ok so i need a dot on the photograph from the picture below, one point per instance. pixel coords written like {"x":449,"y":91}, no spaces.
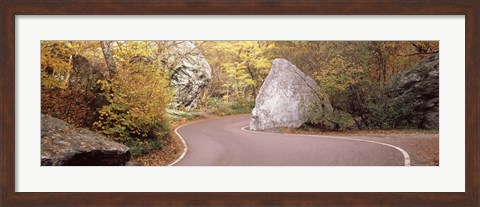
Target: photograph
{"x":239,"y":103}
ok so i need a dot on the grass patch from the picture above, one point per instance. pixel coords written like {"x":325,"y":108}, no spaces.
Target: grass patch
{"x":230,"y":108}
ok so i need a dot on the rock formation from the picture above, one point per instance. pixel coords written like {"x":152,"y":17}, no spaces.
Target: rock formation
{"x":286,"y":98}
{"x":416,"y":90}
{"x":62,"y":144}
{"x":190,"y":72}
{"x":84,"y":75}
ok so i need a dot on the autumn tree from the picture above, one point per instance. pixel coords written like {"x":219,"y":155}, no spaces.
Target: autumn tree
{"x":67,"y":62}
{"x":112,"y":79}
{"x":354,"y":74}
{"x":242,"y":65}
{"x":110,"y":62}
{"x":138,"y":94}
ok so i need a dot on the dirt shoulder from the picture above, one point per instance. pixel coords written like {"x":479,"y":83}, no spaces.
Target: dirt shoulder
{"x":171,"y":149}
{"x":422,"y":148}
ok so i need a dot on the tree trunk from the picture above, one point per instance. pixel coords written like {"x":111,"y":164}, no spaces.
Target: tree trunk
{"x":112,"y":68}
{"x":254,"y":78}
{"x":70,"y":63}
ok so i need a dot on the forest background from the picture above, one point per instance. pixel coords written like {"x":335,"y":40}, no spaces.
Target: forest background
{"x":126,"y":93}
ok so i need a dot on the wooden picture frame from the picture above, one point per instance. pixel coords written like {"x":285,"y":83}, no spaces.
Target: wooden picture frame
{"x":10,"y":8}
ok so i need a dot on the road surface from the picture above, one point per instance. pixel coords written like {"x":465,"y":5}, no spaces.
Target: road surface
{"x":223,"y":142}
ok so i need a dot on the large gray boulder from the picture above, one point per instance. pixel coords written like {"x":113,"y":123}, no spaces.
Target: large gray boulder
{"x":62,"y":144}
{"x":190,"y":72}
{"x":414,"y":94}
{"x":287,"y":98}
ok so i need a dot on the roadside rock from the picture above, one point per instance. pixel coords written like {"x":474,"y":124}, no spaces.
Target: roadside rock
{"x":190,"y":73}
{"x":84,"y":75}
{"x":62,"y":144}
{"x":286,"y":98}
{"x":416,"y":90}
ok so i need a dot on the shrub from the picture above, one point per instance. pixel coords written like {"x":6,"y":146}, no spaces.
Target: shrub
{"x":383,"y":112}
{"x":328,"y":120}
{"x":137,"y":95}
{"x":222,"y":107}
{"x":79,"y":108}
{"x":138,"y":148}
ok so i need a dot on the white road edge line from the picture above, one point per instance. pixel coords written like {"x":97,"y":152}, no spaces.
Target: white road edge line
{"x":185,"y":146}
{"x":405,"y":154}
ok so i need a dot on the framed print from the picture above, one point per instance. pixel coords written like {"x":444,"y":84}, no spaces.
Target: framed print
{"x":352,"y":103}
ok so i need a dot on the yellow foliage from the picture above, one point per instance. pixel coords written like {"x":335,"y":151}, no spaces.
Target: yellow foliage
{"x":56,"y":60}
{"x":243,"y":65}
{"x":138,"y":95}
{"x":55,"y":63}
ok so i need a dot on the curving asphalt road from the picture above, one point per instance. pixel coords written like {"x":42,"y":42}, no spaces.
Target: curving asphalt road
{"x":223,"y":142}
